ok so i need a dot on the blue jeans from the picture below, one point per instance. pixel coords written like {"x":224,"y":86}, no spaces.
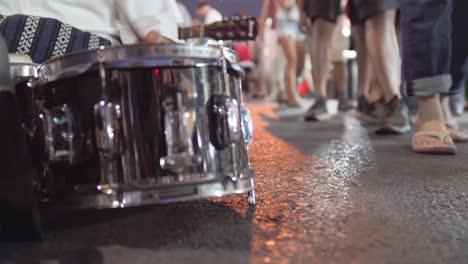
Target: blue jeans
{"x":426,"y":28}
{"x":459,"y":46}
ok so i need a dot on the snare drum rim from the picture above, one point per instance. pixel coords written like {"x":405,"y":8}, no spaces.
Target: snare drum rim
{"x":129,"y":57}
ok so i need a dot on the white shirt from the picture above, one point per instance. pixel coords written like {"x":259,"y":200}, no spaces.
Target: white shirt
{"x":291,"y":14}
{"x":111,"y":19}
{"x":187,"y":18}
{"x":213,"y":16}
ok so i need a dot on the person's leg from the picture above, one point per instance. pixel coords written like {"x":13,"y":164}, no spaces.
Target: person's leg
{"x":301,"y":54}
{"x":371,"y":106}
{"x":426,"y":68}
{"x":363,"y":61}
{"x":322,"y":30}
{"x":288,"y":45}
{"x":340,"y":76}
{"x":381,"y":41}
{"x":383,"y":51}
{"x":307,"y":72}
{"x":323,"y":15}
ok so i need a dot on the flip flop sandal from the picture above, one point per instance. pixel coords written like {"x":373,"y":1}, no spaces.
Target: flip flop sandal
{"x":439,"y":148}
{"x":458,"y":135}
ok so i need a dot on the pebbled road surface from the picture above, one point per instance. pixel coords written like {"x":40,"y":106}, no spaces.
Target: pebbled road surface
{"x":327,"y":193}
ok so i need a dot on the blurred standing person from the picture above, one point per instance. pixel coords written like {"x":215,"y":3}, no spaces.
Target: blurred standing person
{"x":286,"y":16}
{"x":375,"y":22}
{"x":268,"y":53}
{"x":426,"y":68}
{"x":340,"y":43}
{"x":246,"y":51}
{"x":323,"y":16}
{"x":208,"y":12}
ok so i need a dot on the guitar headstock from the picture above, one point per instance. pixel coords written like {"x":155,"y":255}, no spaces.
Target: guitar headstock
{"x":234,"y":28}
{"x":230,"y":28}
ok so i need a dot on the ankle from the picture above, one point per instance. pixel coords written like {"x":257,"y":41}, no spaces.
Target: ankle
{"x":393,"y":103}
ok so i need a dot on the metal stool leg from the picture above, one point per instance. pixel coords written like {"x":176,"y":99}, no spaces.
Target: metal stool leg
{"x":252,"y":200}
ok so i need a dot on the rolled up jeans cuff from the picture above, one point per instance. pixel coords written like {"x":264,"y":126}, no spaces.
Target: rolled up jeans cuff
{"x":429,"y":86}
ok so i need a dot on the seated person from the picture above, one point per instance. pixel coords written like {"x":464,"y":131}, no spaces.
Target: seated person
{"x":49,"y":29}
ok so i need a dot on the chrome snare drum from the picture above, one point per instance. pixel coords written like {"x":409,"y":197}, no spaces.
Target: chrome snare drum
{"x":143,"y":124}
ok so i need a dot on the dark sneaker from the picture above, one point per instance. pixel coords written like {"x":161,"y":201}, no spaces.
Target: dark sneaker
{"x":318,"y":111}
{"x":397,"y":122}
{"x":373,"y":113}
{"x":363,"y":104}
{"x":379,"y":110}
{"x":345,"y":105}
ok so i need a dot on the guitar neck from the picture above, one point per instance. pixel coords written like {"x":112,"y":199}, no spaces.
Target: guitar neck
{"x":191,"y":32}
{"x":224,"y":30}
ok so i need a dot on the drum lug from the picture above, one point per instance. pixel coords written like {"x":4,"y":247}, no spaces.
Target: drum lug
{"x":252,"y":199}
{"x":224,"y":119}
{"x":178,"y":131}
{"x":60,"y":134}
{"x":108,"y":118}
{"x":178,"y":162}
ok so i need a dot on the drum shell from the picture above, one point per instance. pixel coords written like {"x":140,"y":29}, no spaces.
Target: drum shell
{"x":119,"y":102}
{"x":140,"y":94}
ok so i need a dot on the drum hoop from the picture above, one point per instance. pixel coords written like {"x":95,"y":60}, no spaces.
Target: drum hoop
{"x":237,"y":68}
{"x":129,"y":56}
{"x":24,"y":70}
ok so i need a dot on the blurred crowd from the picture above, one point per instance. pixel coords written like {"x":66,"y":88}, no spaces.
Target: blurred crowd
{"x":396,"y":64}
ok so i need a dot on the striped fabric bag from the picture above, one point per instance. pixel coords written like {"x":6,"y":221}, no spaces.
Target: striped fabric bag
{"x":45,"y":38}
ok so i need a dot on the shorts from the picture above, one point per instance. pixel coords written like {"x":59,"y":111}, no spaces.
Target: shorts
{"x":287,"y":28}
{"x":360,"y":10}
{"x":327,"y":9}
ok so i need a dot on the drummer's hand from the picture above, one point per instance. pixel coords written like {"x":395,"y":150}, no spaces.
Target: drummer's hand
{"x":154,"y":37}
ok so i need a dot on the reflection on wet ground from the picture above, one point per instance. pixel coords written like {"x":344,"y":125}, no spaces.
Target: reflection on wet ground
{"x":327,"y":193}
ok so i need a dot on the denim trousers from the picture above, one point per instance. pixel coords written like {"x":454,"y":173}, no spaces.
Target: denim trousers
{"x":426,"y":28}
{"x":459,"y":64}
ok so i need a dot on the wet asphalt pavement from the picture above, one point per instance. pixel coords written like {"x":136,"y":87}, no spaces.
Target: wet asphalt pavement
{"x":327,"y":193}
